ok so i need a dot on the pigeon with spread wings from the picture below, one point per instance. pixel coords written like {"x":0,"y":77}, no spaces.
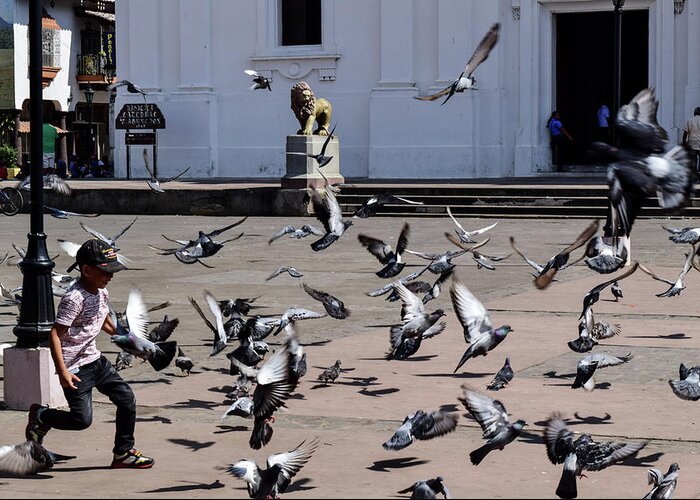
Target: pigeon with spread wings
{"x":676,"y":287}
{"x":154,"y":183}
{"x":369,"y":207}
{"x":466,"y":80}
{"x":259,"y":81}
{"x":321,"y":157}
{"x":421,"y":425}
{"x":220,"y":337}
{"x":385,"y":254}
{"x":328,"y":211}
{"x":468,"y":236}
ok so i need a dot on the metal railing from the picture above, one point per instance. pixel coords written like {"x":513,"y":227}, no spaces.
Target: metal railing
{"x":92,"y":64}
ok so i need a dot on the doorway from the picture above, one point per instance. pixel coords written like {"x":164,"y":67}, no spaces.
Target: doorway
{"x":584,"y":71}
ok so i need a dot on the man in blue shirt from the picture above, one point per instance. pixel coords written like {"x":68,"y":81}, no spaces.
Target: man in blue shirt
{"x":557,"y":132}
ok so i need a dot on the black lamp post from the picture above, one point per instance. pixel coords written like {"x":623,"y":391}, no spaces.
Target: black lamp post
{"x":89,"y":96}
{"x":617,"y":63}
{"x":37,"y":313}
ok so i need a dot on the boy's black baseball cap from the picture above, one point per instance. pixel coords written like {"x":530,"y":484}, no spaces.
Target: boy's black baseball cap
{"x":97,"y":253}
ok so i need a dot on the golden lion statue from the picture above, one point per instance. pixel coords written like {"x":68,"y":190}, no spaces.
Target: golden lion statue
{"x":308,"y":109}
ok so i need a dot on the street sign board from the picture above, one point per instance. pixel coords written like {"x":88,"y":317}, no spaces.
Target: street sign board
{"x":140,"y":116}
{"x":136,"y":138}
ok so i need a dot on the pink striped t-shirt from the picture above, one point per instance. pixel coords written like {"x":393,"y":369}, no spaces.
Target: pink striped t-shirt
{"x":84,"y":314}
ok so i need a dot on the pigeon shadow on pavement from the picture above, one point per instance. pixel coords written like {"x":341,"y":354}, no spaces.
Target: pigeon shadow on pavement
{"x":531,"y":438}
{"x":300,"y":485}
{"x":396,"y":463}
{"x":156,"y":381}
{"x":362,"y":381}
{"x":230,"y":428}
{"x":195,"y":403}
{"x":192,"y":445}
{"x":151,"y":419}
{"x":32,"y":476}
{"x":670,"y":336}
{"x":426,"y":357}
{"x":85,"y":468}
{"x":220,"y":370}
{"x":188,"y":487}
{"x":554,"y":374}
{"x":603,"y":386}
{"x":455,"y":375}
{"x":646,"y":461}
{"x":378,"y":392}
{"x":449,"y":408}
{"x":224,"y":389}
{"x":578,"y":420}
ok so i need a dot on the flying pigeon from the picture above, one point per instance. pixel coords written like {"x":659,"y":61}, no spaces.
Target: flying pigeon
{"x":465,"y":80}
{"x":594,"y":294}
{"x":588,"y":365}
{"x":328,"y":211}
{"x":590,"y":331}
{"x":163,"y":330}
{"x":296,"y":314}
{"x":259,"y":81}
{"x":403,"y":347}
{"x":493,"y":419}
{"x":51,"y":182}
{"x":415,"y":321}
{"x":434,"y":291}
{"x":439,"y":263}
{"x":285,"y":269}
{"x":686,"y":235}
{"x":555,"y":263}
{"x":392,"y":286}
{"x":123,"y":361}
{"x":688,"y":387}
{"x":130,"y":87}
{"x":220,"y":337}
{"x":476,"y":323}
{"x":333,"y":306}
{"x":135,"y":340}
{"x":321,"y":157}
{"x":369,"y":207}
{"x":183,"y":362}
{"x":241,"y":407}
{"x":57,"y":213}
{"x":154,"y":183}
{"x":294,"y":232}
{"x":426,"y":489}
{"x":606,"y":257}
{"x":468,"y":236}
{"x":246,"y":353}
{"x":581,"y":454}
{"x":502,"y":378}
{"x":385,"y":254}
{"x":330,"y":374}
{"x":421,"y":425}
{"x":281,"y":468}
{"x":111,"y":241}
{"x":275,"y":382}
{"x":664,"y":484}
{"x":676,"y":287}
{"x":537,"y":267}
{"x":260,"y":327}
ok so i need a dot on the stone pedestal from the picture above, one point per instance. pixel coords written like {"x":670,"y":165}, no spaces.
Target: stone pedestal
{"x":303,"y":171}
{"x":30,"y":377}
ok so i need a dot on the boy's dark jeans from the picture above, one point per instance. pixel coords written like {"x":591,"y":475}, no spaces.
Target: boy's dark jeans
{"x":99,"y":374}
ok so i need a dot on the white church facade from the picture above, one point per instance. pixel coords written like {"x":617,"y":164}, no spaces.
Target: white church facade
{"x":370,"y":58}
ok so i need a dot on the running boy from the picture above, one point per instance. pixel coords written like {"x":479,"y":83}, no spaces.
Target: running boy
{"x":82,"y":313}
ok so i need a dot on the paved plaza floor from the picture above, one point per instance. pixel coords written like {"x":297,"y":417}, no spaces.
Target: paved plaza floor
{"x":179,"y":418}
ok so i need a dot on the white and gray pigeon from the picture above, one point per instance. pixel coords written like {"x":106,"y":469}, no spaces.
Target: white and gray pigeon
{"x":493,"y":420}
{"x":664,"y":484}
{"x":468,"y":236}
{"x":422,"y":426}
{"x":135,"y":340}
{"x":51,"y":182}
{"x":688,"y":387}
{"x":590,"y":331}
{"x":606,"y":255}
{"x":586,"y":367}
{"x":537,"y":267}
{"x":259,"y":81}
{"x":153,"y":182}
{"x":428,"y":489}
{"x":434,"y":291}
{"x":689,"y":235}
{"x":386,"y":255}
{"x":403,"y":280}
{"x":110,"y":240}
{"x":616,"y":291}
{"x":439,"y":262}
{"x":593,"y":294}
{"x":281,"y":468}
{"x":502,"y":378}
{"x":123,"y":361}
{"x":241,"y":407}
{"x":333,"y":305}
{"x":370,"y":206}
{"x":327,"y":210}
{"x":25,"y":459}
{"x":57,"y":213}
{"x":321,"y":159}
{"x":465,"y":80}
{"x":296,"y":314}
{"x":581,"y":454}
{"x":415,"y":321}
{"x":676,"y":287}
{"x":220,"y":337}
{"x":479,"y":332}
{"x":403,"y":347}
{"x":285,"y":269}
{"x":294,"y":232}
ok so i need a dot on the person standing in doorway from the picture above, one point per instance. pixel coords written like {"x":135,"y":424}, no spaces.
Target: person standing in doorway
{"x":557,"y":132}
{"x":691,"y":138}
{"x":603,"y":122}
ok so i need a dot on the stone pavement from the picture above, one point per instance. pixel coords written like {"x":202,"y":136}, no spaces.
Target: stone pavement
{"x":179,"y":417}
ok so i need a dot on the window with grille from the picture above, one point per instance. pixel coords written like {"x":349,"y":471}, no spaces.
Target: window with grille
{"x":301,"y":22}
{"x":51,"y":48}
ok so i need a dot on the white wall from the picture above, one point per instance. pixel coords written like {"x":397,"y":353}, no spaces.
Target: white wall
{"x":190,"y":55}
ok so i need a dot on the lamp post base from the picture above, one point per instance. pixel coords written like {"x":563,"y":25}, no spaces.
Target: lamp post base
{"x":30,"y":377}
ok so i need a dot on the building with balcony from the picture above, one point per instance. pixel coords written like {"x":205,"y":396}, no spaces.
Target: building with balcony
{"x":79,"y":62}
{"x":370,"y":58}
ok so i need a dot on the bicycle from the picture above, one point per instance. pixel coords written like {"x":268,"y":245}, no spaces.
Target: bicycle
{"x":10,"y":200}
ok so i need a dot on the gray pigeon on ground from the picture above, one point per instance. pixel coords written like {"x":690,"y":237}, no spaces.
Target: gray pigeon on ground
{"x":476,"y":323}
{"x":330,"y":374}
{"x":421,"y":425}
{"x":664,"y":484}
{"x":616,"y":291}
{"x":493,"y":419}
{"x":688,"y":387}
{"x":502,"y":378}
{"x":428,"y":489}
{"x":183,"y":362}
{"x":581,"y":454}
{"x":24,"y":459}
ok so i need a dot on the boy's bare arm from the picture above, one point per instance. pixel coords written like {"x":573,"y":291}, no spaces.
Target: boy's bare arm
{"x":64,"y":376}
{"x":108,"y":326}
